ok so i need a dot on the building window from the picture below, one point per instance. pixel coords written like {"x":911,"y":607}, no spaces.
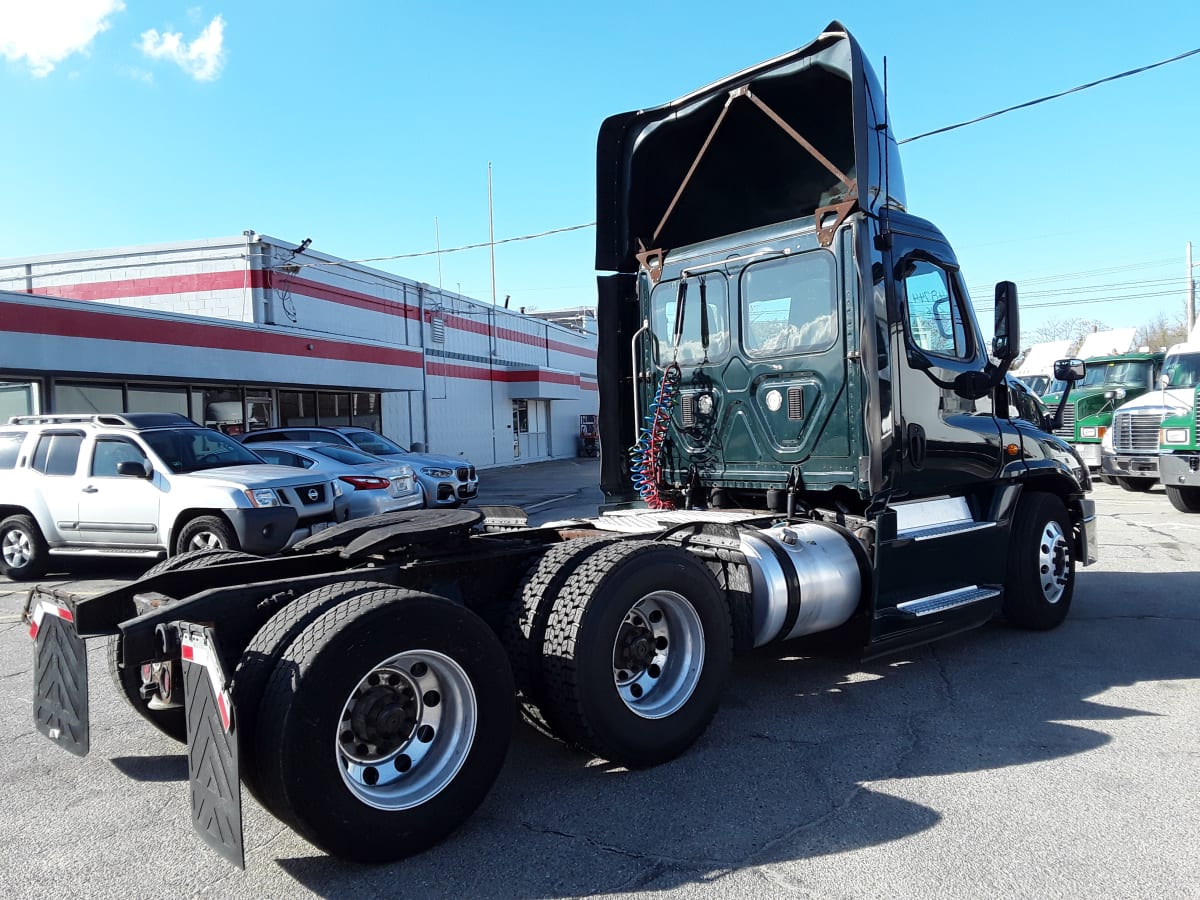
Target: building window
{"x":153,"y":398}
{"x":88,"y":398}
{"x":333,"y":409}
{"x":297,"y":408}
{"x":18,"y":398}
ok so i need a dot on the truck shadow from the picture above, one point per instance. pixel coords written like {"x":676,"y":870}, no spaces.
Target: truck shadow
{"x":805,"y":756}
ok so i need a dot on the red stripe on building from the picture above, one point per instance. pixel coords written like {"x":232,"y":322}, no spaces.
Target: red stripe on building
{"x":261,"y":278}
{"x":97,"y":325}
{"x":503,"y":376}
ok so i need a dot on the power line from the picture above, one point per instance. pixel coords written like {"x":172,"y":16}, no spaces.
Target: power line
{"x":477,"y":246}
{"x":1028,"y":103}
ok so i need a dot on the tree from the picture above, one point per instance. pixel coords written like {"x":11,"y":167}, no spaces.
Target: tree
{"x":1162,"y":331}
{"x":1062,"y":330}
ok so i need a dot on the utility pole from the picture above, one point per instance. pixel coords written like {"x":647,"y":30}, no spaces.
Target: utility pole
{"x":491,"y":229}
{"x":437,"y":236}
{"x":1191,"y":294}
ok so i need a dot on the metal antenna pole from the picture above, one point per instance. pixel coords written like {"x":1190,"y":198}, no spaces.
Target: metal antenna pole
{"x":491,"y":233}
{"x":437,"y":236}
{"x":1191,"y":294}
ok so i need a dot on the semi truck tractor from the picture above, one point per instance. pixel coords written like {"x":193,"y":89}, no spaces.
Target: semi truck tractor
{"x":1178,"y":440}
{"x":1133,"y":450}
{"x":1110,"y":381}
{"x":805,"y":433}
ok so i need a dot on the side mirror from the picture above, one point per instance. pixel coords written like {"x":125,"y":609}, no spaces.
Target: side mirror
{"x":1006,"y":342}
{"x":133,"y":469}
{"x":1069,"y":370}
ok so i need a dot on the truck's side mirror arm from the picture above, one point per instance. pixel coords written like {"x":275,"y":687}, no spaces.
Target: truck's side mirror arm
{"x":1069,"y":371}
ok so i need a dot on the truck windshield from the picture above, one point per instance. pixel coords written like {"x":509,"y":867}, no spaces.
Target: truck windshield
{"x":691,"y":350}
{"x":1183,"y":370}
{"x":193,"y":449}
{"x":1138,"y":372}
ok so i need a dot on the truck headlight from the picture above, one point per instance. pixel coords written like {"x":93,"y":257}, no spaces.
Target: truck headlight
{"x":262,"y":497}
{"x":1088,"y":431}
{"x":1174,"y":436}
{"x":437,"y":473}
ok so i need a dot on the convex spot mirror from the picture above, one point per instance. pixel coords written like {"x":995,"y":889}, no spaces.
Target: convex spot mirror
{"x":1164,"y":379}
{"x":1069,"y":369}
{"x":1006,"y":340}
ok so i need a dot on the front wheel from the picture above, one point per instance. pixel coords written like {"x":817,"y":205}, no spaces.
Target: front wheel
{"x":1184,"y":499}
{"x":384,"y":724}
{"x":1041,"y":564}
{"x":207,"y":533}
{"x":638,"y":648}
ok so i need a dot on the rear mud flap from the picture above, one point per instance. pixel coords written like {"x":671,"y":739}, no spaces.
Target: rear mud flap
{"x":60,"y":676}
{"x":212,"y":745}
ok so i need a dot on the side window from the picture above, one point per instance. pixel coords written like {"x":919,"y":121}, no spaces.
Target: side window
{"x":936,"y":320}
{"x":283,"y":458}
{"x":789,"y":305}
{"x":57,"y":454}
{"x":110,"y":452}
{"x":691,"y":350}
{"x":10,"y":449}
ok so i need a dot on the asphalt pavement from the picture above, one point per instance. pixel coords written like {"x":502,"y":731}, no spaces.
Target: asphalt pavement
{"x":998,"y":763}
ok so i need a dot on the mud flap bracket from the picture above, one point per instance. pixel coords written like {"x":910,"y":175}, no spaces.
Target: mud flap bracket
{"x":213,"y":778}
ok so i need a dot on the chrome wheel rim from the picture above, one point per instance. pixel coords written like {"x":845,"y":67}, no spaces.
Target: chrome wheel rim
{"x":1054,"y":562}
{"x":406,"y":730}
{"x":205,"y":540}
{"x":658,"y":655}
{"x":18,"y":549}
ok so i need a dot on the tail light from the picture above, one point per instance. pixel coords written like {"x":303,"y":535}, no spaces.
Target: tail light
{"x":366,"y":482}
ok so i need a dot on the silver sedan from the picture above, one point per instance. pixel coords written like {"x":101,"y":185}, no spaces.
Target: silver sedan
{"x":372,"y":485}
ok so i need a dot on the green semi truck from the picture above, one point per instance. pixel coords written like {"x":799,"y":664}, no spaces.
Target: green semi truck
{"x":1179,"y":443}
{"x":1109,"y":382}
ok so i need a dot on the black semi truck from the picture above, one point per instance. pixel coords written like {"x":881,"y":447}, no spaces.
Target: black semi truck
{"x":804,"y":433}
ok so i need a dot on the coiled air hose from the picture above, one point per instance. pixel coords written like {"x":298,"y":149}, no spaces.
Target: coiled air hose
{"x":646,"y":455}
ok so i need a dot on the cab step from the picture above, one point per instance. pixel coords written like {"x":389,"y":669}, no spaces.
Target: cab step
{"x":936,"y":603}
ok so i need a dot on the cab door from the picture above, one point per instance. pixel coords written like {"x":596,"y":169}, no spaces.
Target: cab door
{"x":948,"y":439}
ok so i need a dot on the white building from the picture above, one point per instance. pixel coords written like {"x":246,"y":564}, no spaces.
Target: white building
{"x":252,"y":331}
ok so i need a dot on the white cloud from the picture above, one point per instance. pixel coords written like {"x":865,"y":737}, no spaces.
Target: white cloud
{"x":44,"y":34}
{"x":202,"y":58}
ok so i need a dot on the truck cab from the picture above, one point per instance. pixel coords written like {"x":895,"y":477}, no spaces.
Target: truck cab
{"x":1110,"y":381}
{"x":1179,"y":443}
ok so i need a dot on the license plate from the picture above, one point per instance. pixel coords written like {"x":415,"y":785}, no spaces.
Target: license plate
{"x":319,"y":526}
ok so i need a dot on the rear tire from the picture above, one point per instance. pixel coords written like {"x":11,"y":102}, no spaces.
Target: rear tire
{"x":638,"y":649}
{"x":1041,"y":564}
{"x":524,"y":628}
{"x":1184,"y":499}
{"x":1108,"y":479}
{"x":172,"y":721}
{"x":260,"y":657}
{"x":384,"y":724}
{"x":1135,"y":485}
{"x":24,"y":554}
{"x":207,"y":533}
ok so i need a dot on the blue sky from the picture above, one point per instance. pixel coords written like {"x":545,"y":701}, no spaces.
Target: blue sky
{"x":356,"y":124}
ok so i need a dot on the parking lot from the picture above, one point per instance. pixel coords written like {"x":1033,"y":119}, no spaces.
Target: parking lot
{"x":995,"y":763}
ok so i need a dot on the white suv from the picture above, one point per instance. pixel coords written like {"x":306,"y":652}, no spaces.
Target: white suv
{"x":141,"y":484}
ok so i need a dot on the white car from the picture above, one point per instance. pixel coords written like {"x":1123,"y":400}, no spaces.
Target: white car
{"x":145,"y":484}
{"x":373,"y":485}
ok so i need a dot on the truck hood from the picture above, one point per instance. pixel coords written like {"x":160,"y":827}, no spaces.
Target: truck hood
{"x":778,"y":141}
{"x":256,"y":476}
{"x":1175,"y":398}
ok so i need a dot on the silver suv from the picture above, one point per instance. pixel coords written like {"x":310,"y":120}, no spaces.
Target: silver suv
{"x":144,"y":484}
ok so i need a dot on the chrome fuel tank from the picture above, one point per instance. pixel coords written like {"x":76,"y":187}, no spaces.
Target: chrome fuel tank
{"x":804,"y":579}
